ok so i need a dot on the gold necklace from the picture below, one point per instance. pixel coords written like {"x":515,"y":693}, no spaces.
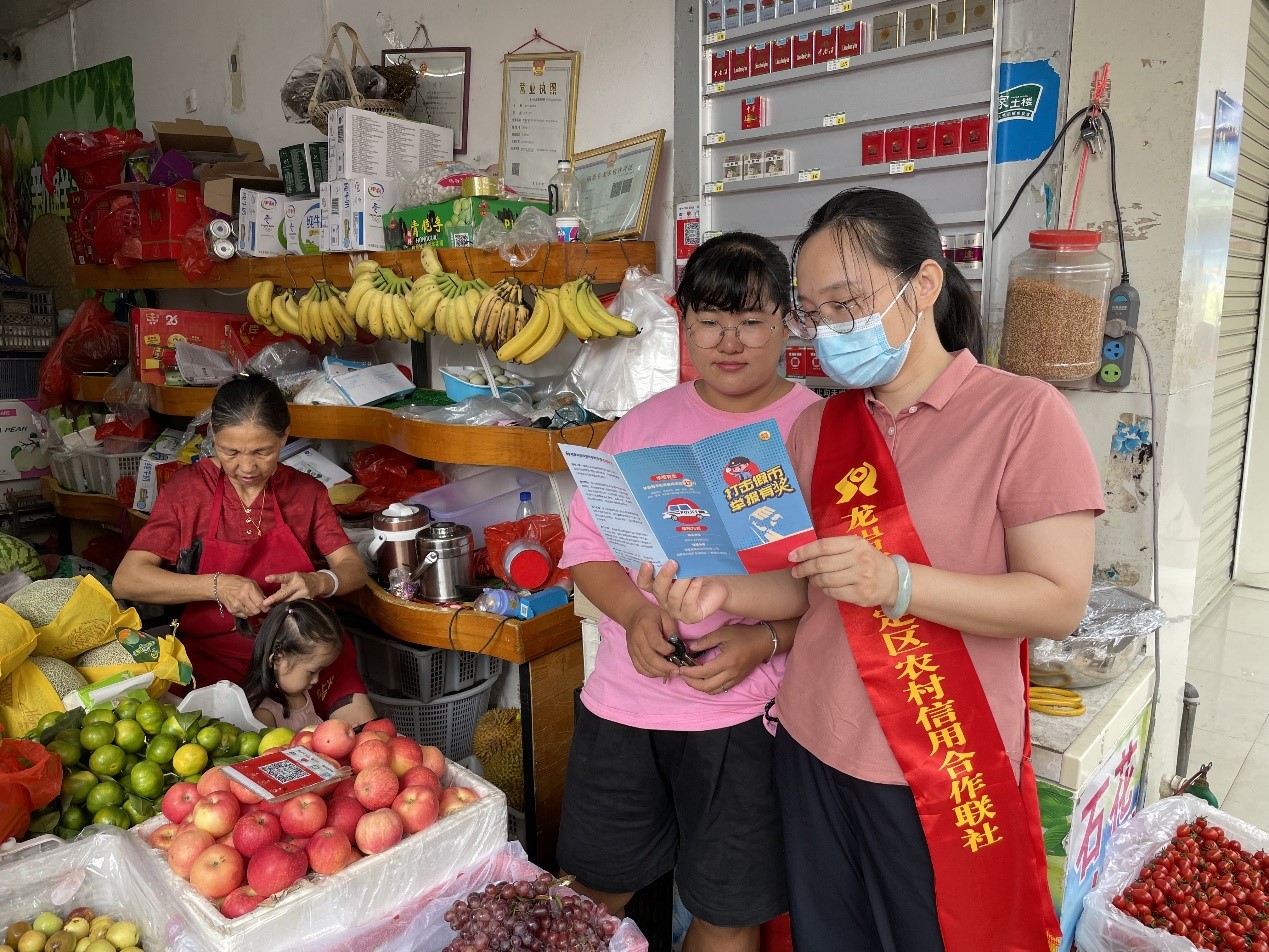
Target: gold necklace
{"x":258,"y":523}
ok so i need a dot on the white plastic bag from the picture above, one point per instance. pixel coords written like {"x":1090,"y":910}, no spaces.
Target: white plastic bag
{"x":203,"y":366}
{"x":613,"y":376}
{"x":1102,"y":927}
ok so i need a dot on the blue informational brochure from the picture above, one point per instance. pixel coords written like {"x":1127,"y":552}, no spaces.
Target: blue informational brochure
{"x":726,"y":505}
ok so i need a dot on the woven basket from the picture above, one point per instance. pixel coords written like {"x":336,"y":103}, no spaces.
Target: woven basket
{"x":403,"y":81}
{"x":319,"y":113}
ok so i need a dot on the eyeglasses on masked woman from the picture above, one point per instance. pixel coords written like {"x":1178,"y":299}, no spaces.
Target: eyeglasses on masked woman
{"x":841,"y":317}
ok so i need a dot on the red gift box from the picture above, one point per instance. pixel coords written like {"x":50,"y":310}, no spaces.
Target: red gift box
{"x":874,"y":148}
{"x":803,"y":49}
{"x":760,"y":59}
{"x":826,"y":45}
{"x":167,"y":213}
{"x":720,"y":67}
{"x":975,"y":132}
{"x":155,"y":332}
{"x":850,"y":39}
{"x":898,"y":144}
{"x":740,"y":63}
{"x":77,"y":200}
{"x":781,"y":54}
{"x":947,"y":137}
{"x":922,"y":141}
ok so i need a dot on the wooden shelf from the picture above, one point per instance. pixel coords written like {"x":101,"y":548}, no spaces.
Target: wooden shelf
{"x":88,"y":507}
{"x":607,"y":261}
{"x":442,"y":443}
{"x":434,"y":626}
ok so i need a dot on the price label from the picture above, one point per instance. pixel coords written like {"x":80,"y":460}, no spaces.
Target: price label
{"x":839,"y":64}
{"x":836,"y":119}
{"x":711,"y":187}
{"x":809,"y":175}
{"x":837,"y":8}
{"x":716,"y":138}
{"x":901,"y":168}
{"x":715,"y":88}
{"x":721,"y":35}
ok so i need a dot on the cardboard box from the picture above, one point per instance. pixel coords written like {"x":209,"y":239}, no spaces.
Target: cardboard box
{"x":887,"y":31}
{"x":753,"y":166}
{"x":951,"y":19}
{"x":748,"y":12}
{"x":223,"y":182}
{"x":713,"y":17}
{"x":760,"y":59}
{"x":720,"y":66}
{"x":733,"y":168}
{"x":922,"y":141}
{"x":345,"y":241}
{"x":204,"y":144}
{"x":850,"y":38}
{"x":449,"y":224}
{"x":372,"y":198}
{"x":803,"y":50}
{"x":155,"y":332}
{"x":755,"y":112}
{"x":979,"y":15}
{"x":163,"y":450}
{"x":786,"y":8}
{"x":365,"y":143}
{"x":303,"y":226}
{"x":767,"y":10}
{"x":975,"y":133}
{"x":262,"y":225}
{"x":303,"y":167}
{"x":947,"y":137}
{"x":777,"y":162}
{"x":739,"y":63}
{"x":731,"y":14}
{"x":805,"y":6}
{"x":331,"y":213}
{"x":167,"y":212}
{"x":874,"y":148}
{"x":781,"y":54}
{"x":825,"y":48}
{"x":898,"y":144}
{"x":20,"y":454}
{"x":919,"y":23}
{"x":323,"y":202}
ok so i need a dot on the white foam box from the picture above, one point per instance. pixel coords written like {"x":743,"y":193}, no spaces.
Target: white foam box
{"x":361,"y":142}
{"x":372,"y":198}
{"x":328,"y":912}
{"x":264,"y":224}
{"x":303,"y":226}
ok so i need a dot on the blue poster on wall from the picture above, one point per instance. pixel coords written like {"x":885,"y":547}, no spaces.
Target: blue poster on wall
{"x":1026,"y":110}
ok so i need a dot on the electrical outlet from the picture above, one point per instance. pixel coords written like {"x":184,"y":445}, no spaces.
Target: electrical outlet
{"x":191,"y":100}
{"x":1116,"y":369}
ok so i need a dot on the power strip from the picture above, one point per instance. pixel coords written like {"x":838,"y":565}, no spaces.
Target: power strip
{"x":1116,"y":369}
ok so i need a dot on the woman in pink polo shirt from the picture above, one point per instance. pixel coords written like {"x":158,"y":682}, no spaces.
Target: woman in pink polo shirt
{"x":670,"y":768}
{"x":955,"y":507}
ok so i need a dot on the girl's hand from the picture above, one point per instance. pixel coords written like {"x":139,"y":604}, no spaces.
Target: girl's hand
{"x":848,"y":569}
{"x":296,"y":585}
{"x":686,"y":600}
{"x":646,"y":641}
{"x":240,"y":596}
{"x":741,"y":648}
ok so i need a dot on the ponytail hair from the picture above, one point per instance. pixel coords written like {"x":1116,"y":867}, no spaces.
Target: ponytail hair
{"x":897,"y":233}
{"x":290,"y":630}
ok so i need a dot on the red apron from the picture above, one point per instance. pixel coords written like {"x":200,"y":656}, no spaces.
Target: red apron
{"x":217,"y":650}
{"x":981,"y":825}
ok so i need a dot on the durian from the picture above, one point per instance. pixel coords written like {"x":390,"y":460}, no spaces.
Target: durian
{"x":499,"y":746}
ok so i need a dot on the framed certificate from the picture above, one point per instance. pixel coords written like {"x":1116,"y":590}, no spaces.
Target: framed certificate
{"x":444,"y":92}
{"x":615,"y":183}
{"x":539,"y":110}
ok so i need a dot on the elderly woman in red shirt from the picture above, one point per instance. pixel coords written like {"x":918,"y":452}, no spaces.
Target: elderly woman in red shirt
{"x":235,"y":534}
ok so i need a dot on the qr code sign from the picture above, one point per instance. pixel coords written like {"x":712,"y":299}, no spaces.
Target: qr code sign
{"x":515,"y":169}
{"x":692,"y":233}
{"x":284,"y":772}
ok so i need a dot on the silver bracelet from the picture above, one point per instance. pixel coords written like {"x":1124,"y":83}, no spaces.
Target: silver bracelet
{"x":334,"y":580}
{"x":904,"y":597}
{"x":775,"y":640}
{"x":216,"y":592}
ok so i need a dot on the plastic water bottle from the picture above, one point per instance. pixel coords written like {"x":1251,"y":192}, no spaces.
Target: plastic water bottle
{"x":497,"y":601}
{"x":526,"y":506}
{"x":562,"y":197}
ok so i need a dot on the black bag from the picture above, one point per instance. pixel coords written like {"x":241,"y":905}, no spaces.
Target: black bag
{"x":187,"y":561}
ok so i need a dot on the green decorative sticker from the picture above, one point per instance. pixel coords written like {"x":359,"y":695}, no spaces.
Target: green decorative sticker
{"x":1020,"y":102}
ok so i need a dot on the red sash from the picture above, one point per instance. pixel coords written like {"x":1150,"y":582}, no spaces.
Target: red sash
{"x":981,"y":826}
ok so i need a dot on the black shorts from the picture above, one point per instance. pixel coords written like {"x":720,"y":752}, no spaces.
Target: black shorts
{"x":860,"y":876}
{"x":639,"y":803}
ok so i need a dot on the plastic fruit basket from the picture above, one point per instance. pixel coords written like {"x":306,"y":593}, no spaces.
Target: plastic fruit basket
{"x":328,"y":912}
{"x":104,"y":470}
{"x":422,"y":674}
{"x":68,"y":470}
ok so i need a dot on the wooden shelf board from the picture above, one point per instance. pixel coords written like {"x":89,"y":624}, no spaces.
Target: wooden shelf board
{"x":558,"y":263}
{"x":88,"y":507}
{"x":435,"y":626}
{"x":91,"y":388}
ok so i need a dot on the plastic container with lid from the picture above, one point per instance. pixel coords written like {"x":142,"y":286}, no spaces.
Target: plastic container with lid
{"x":1055,"y":308}
{"x":482,"y":500}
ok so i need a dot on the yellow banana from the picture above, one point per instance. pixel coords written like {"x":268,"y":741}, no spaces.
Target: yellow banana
{"x":374,"y":313}
{"x":521,"y":342}
{"x":573,"y":320}
{"x":441,"y":316}
{"x":549,"y":338}
{"x":251,"y":301}
{"x":455,"y":320}
{"x":334,"y":329}
{"x":367,"y":267}
{"x":404,"y":319}
{"x":430,"y":260}
{"x":355,"y":295}
{"x":286,"y":317}
{"x":340,"y":313}
{"x":597,"y":317}
{"x":595,"y":313}
{"x":425,"y":312}
{"x":471,"y":300}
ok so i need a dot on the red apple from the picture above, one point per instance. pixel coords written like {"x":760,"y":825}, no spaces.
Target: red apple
{"x":242,"y":794}
{"x":217,"y":813}
{"x":186,"y":824}
{"x":343,"y":813}
{"x":255,"y":831}
{"x":434,"y":761}
{"x":454,"y":799}
{"x":304,"y":738}
{"x":163,"y":836}
{"x":421,"y":777}
{"x":299,"y":842}
{"x":370,"y":753}
{"x":344,"y":788}
{"x":212,"y":781}
{"x":406,"y":753}
{"x":418,"y":808}
{"x":334,"y":739}
{"x":269,"y":806}
{"x":379,"y":830}
{"x":366,"y":737}
{"x":227,"y":839}
{"x":304,"y":815}
{"x":329,"y":851}
{"x":382,"y":724}
{"x":376,"y":786}
{"x":187,"y":847}
{"x":276,"y":867}
{"x":218,"y":872}
{"x":180,"y":800}
{"x":241,"y":901}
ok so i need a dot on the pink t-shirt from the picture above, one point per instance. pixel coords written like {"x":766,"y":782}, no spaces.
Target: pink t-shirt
{"x":982,"y":451}
{"x":295,"y":720}
{"x":615,"y":690}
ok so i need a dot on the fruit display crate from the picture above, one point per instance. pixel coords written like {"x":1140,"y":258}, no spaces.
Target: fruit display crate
{"x":19,"y":377}
{"x":331,"y":912}
{"x":422,"y":674}
{"x":28,"y":318}
{"x":447,"y":722}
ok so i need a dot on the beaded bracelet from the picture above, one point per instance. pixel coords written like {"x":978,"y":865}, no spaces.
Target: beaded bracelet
{"x":216,"y":592}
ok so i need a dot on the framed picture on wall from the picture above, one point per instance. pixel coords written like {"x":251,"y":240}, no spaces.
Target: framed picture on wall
{"x":539,"y":111}
{"x":1227,"y":126}
{"x":443,"y":96}
{"x":616,"y":183}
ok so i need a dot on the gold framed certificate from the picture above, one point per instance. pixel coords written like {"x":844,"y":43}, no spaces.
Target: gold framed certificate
{"x":539,"y":112}
{"x":615,"y":182}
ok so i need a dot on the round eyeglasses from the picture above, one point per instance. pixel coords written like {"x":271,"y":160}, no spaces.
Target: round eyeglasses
{"x":750,"y":333}
{"x":839,"y":317}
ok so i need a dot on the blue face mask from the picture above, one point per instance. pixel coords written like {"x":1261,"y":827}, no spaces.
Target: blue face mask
{"x":863,"y":356}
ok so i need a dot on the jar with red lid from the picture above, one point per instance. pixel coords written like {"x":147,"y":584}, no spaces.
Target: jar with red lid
{"x":1055,"y":308}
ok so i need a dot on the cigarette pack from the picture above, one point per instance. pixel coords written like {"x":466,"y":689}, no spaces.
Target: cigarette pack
{"x":755,"y":112}
{"x":781,"y":54}
{"x":887,"y":31}
{"x":951,"y":19}
{"x":919,"y":23}
{"x":760,"y":59}
{"x":753,"y":165}
{"x":803,"y":49}
{"x":777,"y":162}
{"x":825,"y":48}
